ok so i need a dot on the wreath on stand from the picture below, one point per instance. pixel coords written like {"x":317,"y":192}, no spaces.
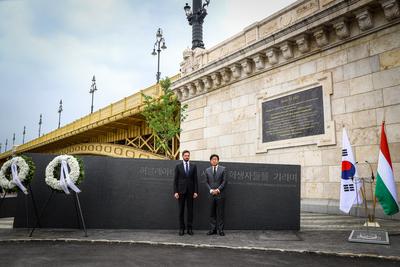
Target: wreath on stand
{"x":16,"y":173}
{"x":63,"y":172}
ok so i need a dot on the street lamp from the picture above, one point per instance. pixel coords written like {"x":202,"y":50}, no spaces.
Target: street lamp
{"x":23,"y":135}
{"x":5,"y":148}
{"x":13,"y":139}
{"x":40,"y":123}
{"x":0,"y":146}
{"x":60,"y":109}
{"x":196,"y":19}
{"x":159,"y":39}
{"x":93,"y":88}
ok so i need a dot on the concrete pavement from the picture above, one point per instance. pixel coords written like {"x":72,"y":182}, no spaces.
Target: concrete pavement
{"x":86,"y":254}
{"x":320,"y":234}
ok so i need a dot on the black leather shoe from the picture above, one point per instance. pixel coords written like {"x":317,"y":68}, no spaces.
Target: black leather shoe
{"x":181,"y":232}
{"x":211,"y":232}
{"x":190,"y":231}
{"x":221,"y":233}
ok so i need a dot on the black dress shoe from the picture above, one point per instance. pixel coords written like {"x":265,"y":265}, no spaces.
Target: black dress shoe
{"x":211,"y":232}
{"x":190,"y":231}
{"x":221,"y":233}
{"x":181,"y":232}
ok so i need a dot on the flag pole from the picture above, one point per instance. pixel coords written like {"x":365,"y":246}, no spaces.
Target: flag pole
{"x":358,"y":204}
{"x":363,"y":196}
{"x":372,"y":217}
{"x":374,"y":206}
{"x":374,"y":196}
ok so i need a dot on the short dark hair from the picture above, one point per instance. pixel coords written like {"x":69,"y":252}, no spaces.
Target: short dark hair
{"x":185,"y":151}
{"x":214,"y":155}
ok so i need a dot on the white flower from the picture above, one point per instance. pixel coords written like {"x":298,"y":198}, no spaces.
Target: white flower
{"x":74,"y":172}
{"x":22,"y":174}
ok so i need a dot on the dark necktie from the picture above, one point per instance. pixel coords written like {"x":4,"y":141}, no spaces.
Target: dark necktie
{"x":214,"y":170}
{"x":187,"y":168}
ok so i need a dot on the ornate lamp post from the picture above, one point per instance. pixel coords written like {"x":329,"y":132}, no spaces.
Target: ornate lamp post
{"x":196,"y":19}
{"x":0,"y":146}
{"x":93,"y":88}
{"x":40,"y":123}
{"x":13,"y":139}
{"x":159,"y":39}
{"x":60,"y":109}
{"x":5,"y":148}
{"x":23,"y":135}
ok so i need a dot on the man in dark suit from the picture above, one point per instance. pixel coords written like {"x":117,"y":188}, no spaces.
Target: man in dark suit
{"x":185,"y":190}
{"x":216,"y":183}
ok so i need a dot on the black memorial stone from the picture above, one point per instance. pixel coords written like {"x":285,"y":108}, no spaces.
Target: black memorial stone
{"x":292,"y":116}
{"x":138,"y":194}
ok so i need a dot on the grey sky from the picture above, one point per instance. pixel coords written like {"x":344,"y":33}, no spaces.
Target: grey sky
{"x":49,"y":50}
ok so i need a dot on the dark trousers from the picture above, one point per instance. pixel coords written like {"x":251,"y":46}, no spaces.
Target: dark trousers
{"x":188,"y":199}
{"x":216,"y":213}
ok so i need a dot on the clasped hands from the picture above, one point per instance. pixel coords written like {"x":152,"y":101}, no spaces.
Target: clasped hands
{"x":176,"y":195}
{"x":215,"y":192}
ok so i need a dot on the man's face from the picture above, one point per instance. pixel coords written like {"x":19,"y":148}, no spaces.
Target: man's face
{"x":186,"y":156}
{"x":214,"y":161}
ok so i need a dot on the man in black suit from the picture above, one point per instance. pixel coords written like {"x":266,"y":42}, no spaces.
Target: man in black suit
{"x":216,"y":183}
{"x":185,"y":190}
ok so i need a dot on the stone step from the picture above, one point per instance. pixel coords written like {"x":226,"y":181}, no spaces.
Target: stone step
{"x":6,"y":223}
{"x":308,"y":221}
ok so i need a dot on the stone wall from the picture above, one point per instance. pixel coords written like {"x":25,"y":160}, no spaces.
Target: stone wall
{"x":355,"y":48}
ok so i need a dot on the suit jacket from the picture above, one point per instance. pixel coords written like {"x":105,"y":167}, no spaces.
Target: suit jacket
{"x":185,"y":183}
{"x":218,"y":181}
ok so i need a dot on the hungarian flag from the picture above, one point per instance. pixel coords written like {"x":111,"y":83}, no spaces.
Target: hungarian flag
{"x":385,"y":189}
{"x":349,"y":186}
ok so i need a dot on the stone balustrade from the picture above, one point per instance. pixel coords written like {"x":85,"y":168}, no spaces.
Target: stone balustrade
{"x":326,"y":32}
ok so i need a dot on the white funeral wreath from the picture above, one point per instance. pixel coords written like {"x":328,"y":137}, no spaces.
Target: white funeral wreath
{"x":22,"y":174}
{"x":74,"y":172}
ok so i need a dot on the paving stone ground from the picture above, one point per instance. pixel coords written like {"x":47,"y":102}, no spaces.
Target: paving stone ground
{"x":321,"y":235}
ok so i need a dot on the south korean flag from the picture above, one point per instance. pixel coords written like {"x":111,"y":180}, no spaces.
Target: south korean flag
{"x":349,"y":186}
